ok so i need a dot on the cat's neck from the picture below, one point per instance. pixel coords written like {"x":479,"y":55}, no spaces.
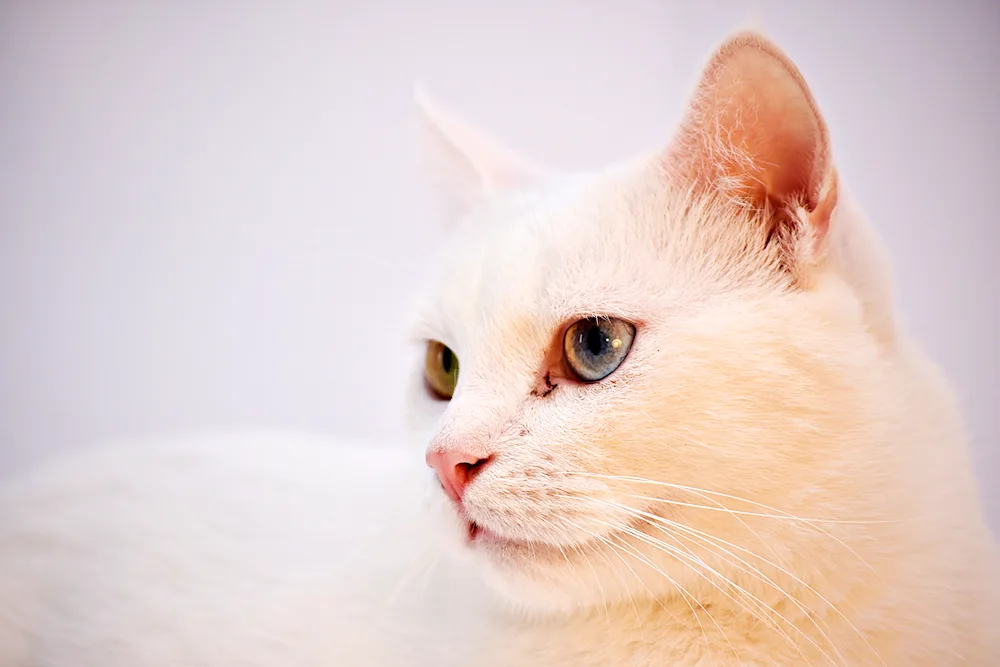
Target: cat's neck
{"x":843,"y":614}
{"x":733,"y":626}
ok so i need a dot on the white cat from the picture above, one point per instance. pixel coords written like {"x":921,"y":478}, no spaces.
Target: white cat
{"x":673,"y":420}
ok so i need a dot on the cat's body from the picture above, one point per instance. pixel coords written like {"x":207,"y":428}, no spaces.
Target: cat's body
{"x":278,"y":551}
{"x":687,"y":430}
{"x":226,"y":550}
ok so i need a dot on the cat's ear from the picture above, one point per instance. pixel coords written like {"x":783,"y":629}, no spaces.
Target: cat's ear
{"x":753,"y":133}
{"x":464,"y":165}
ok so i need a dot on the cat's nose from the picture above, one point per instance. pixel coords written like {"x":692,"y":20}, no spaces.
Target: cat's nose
{"x":455,"y":469}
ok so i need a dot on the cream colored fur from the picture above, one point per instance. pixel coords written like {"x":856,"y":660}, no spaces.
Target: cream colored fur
{"x":775,"y":475}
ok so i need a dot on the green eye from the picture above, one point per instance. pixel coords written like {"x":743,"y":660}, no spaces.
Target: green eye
{"x":441,"y":369}
{"x":595,"y":347}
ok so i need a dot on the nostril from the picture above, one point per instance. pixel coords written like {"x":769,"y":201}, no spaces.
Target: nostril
{"x":466,"y":471}
{"x":455,"y":470}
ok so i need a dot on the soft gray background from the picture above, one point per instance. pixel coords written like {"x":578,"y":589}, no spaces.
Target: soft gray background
{"x":211,"y":217}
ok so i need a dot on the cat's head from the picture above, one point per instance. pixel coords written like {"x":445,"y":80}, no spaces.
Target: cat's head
{"x":632,"y":379}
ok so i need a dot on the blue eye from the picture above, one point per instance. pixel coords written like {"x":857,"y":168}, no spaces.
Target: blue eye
{"x":595,"y":347}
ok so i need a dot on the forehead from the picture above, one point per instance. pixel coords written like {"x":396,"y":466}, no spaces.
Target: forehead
{"x":527,"y":264}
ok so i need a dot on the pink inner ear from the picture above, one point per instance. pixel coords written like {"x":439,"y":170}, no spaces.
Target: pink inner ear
{"x":753,"y":130}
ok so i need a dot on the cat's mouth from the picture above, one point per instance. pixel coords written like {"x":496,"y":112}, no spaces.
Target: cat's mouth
{"x":477,"y":534}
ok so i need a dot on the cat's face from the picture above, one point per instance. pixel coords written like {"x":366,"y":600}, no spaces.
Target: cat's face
{"x":640,"y":378}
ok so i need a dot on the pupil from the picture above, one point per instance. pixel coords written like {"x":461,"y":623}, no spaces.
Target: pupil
{"x":447,"y":360}
{"x":596,"y":341}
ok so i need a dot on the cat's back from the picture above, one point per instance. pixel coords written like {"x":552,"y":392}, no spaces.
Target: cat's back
{"x":250,"y":550}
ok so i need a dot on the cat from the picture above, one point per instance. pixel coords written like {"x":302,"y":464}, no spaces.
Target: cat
{"x":666,"y":415}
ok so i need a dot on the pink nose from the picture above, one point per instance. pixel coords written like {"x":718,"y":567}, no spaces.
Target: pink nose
{"x":455,"y":470}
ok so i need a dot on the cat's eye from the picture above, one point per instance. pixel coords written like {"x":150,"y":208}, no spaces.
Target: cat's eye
{"x":441,"y":369}
{"x":595,"y":347}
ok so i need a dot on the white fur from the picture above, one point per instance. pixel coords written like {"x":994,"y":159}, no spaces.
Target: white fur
{"x":807,"y":462}
{"x":246,"y":549}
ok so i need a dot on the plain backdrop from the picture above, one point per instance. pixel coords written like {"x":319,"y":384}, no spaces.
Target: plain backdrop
{"x":211,"y":216}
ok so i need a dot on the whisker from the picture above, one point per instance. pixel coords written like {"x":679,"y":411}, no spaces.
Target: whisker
{"x":684,"y":593}
{"x":807,"y":522}
{"x":597,"y":580}
{"x":635,"y":607}
{"x":780,"y":514}
{"x":767,"y":610}
{"x":777,"y":513}
{"x":715,"y":541}
{"x":684,"y":557}
{"x":673,"y":551}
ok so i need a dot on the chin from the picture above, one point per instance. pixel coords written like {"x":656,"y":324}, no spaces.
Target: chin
{"x":530,"y":576}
